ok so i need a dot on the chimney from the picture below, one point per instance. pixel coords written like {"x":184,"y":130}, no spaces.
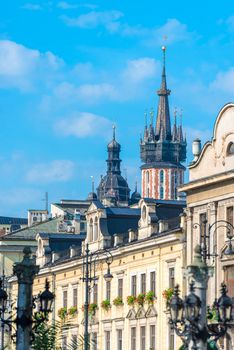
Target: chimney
{"x":132,"y":235}
{"x":163,"y":226}
{"x":55,"y":256}
{"x":196,"y":149}
{"x":118,"y":240}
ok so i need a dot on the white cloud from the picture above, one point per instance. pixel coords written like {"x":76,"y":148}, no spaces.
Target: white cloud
{"x":224,"y":81}
{"x":32,"y":7}
{"x":19,"y":64}
{"x":83,"y":125}
{"x":173,"y":30}
{"x":94,"y":19}
{"x":140,"y":69}
{"x":55,"y":171}
{"x":64,"y":5}
{"x":86,"y":92}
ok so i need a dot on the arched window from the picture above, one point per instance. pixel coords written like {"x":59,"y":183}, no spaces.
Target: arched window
{"x":230,"y":149}
{"x":161,"y":184}
{"x":91,"y":230}
{"x":175,"y":183}
{"x":147,"y":184}
{"x":95,"y":230}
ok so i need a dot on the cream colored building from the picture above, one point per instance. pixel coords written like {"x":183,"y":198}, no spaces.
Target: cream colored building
{"x":210,"y":196}
{"x":147,"y":257}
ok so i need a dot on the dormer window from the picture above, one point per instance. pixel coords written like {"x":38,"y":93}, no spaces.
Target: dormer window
{"x":230,"y":149}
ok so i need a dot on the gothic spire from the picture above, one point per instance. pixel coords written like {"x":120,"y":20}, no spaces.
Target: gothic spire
{"x":174,"y":132}
{"x":180,"y":130}
{"x":163,"y":124}
{"x":146,"y":127}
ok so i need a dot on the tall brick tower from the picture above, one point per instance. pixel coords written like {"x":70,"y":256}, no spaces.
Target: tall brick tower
{"x":162,"y":150}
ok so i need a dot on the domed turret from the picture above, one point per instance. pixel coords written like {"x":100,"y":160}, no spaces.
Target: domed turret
{"x":113,"y":180}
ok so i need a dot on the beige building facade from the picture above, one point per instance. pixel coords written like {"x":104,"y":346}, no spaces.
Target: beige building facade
{"x":149,"y":259}
{"x":210,"y":197}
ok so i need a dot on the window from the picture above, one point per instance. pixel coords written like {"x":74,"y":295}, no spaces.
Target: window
{"x":95,"y":230}
{"x":133,"y":288}
{"x":144,"y":212}
{"x":171,"y":277}
{"x":171,"y":338}
{"x":229,"y":279}
{"x":230,"y":148}
{"x":107,"y":340}
{"x":108,"y":290}
{"x":94,"y":341}
{"x":95,"y":293}
{"x":133,"y":338}
{"x":161,"y":184}
{"x":142,"y":337}
{"x":147,"y":184}
{"x":175,"y":183}
{"x":152,"y":337}
{"x":202,"y":222}
{"x":74,"y":339}
{"x":120,"y":288}
{"x":64,"y":342}
{"x":143,"y":283}
{"x":65,"y":298}
{"x":75,"y":297}
{"x":230,"y":215}
{"x":153,"y":282}
{"x":91,"y":230}
{"x":119,"y":339}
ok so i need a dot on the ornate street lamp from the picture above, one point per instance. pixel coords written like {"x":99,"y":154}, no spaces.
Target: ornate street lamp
{"x":3,"y":297}
{"x":89,"y":277}
{"x":192,"y":305}
{"x":108,"y":276}
{"x":176,"y":306}
{"x":46,"y":299}
{"x":224,"y":306}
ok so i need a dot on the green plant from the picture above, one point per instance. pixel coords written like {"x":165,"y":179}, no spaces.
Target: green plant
{"x":92,"y":308}
{"x":106,"y":305}
{"x":212,"y":314}
{"x":118,"y":301}
{"x":167,"y":295}
{"x":140,"y":299}
{"x":150,"y":297}
{"x":62,"y":313}
{"x":49,"y":337}
{"x":131,"y":299}
{"x":72,"y":311}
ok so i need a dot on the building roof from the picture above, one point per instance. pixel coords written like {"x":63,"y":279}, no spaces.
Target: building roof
{"x":6,"y":220}
{"x":29,"y":233}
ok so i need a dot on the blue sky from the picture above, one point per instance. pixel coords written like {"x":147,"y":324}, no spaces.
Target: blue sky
{"x":70,"y":69}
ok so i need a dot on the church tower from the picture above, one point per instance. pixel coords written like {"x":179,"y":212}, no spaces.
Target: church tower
{"x":162,"y":150}
{"x":113,"y":187}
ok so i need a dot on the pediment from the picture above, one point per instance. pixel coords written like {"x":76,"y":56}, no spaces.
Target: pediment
{"x":151,"y":312}
{"x":131,"y":315}
{"x":141,"y":313}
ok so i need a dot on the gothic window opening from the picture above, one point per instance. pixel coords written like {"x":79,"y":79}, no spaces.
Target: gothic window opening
{"x":161,"y":184}
{"x":175,"y":183}
{"x":147,"y":184}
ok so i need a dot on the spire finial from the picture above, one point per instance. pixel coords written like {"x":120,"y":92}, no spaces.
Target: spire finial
{"x":114,"y":127}
{"x":92,"y":179}
{"x":181,"y":115}
{"x":175,"y":114}
{"x":164,"y":48}
{"x":145,"y":116}
{"x":151,"y":116}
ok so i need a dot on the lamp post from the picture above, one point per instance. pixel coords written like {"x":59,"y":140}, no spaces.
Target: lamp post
{"x":24,"y":321}
{"x":89,"y":277}
{"x":189,"y":316}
